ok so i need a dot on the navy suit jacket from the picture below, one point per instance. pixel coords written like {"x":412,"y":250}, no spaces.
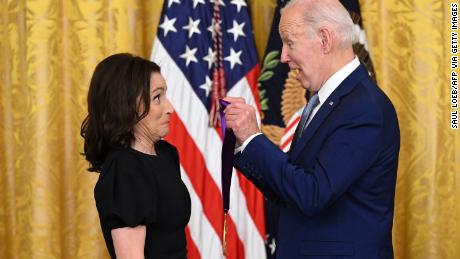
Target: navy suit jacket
{"x":336,"y":185}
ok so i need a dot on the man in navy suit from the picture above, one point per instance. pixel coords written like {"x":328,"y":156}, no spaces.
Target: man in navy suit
{"x":336,"y":185}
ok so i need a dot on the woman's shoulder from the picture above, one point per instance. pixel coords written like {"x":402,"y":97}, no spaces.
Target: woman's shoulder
{"x":125,"y":195}
{"x":120,"y":155}
{"x":125,"y":171}
{"x":124,"y":161}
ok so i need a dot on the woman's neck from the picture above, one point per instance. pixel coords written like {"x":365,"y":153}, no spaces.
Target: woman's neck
{"x":145,"y":146}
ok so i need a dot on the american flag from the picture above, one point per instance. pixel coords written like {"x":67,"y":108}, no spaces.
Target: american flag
{"x":185,"y":51}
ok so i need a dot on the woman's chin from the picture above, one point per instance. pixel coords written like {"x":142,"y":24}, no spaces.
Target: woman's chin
{"x":165,"y":132}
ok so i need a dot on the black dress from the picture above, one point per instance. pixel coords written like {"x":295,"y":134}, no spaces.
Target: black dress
{"x":140,"y":189}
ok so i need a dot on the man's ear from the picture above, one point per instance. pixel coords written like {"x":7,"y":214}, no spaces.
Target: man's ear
{"x":326,"y":37}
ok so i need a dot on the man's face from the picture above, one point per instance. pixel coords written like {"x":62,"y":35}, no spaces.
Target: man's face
{"x":301,"y":49}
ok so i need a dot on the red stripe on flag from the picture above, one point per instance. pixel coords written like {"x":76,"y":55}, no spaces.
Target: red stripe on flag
{"x":289,"y":127}
{"x":254,"y":203}
{"x":285,"y":143}
{"x":235,"y":248}
{"x":192,"y":250}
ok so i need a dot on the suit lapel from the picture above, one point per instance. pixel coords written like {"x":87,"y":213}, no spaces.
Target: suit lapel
{"x":327,"y":107}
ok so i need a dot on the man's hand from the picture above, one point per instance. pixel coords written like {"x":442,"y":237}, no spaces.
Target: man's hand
{"x":241,"y":118}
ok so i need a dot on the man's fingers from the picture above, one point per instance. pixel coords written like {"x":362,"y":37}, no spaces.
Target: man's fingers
{"x":234,"y":99}
{"x":237,"y":106}
{"x":233,"y":111}
{"x":232,"y":117}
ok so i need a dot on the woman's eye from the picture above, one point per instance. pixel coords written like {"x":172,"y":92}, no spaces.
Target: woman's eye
{"x":156,"y":98}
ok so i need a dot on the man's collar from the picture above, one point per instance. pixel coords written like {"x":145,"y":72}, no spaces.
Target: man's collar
{"x":334,"y":81}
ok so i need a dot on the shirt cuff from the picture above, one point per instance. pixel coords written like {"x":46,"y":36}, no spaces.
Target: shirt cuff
{"x":245,"y":143}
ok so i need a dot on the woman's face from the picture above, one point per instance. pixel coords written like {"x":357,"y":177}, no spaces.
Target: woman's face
{"x":155,"y":125}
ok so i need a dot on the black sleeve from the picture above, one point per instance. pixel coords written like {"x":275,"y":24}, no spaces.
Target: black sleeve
{"x":125,"y":196}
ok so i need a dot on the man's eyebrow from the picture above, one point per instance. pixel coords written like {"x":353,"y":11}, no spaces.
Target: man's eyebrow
{"x":283,"y":36}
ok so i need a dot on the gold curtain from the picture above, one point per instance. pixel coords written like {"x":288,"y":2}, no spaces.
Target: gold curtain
{"x":48,"y":50}
{"x":410,"y":46}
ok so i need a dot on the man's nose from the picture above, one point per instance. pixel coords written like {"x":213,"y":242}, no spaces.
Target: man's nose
{"x":284,"y":55}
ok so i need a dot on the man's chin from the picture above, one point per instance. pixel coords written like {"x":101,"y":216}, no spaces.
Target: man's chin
{"x":304,"y":83}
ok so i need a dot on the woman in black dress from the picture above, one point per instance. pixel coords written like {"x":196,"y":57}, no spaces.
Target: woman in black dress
{"x":142,"y":202}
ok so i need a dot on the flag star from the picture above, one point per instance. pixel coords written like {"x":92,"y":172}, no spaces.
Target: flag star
{"x":189,"y":55}
{"x":234,"y":58}
{"x":168,"y":25}
{"x":239,"y":4}
{"x":207,"y":86}
{"x":210,"y":57}
{"x":196,"y":2}
{"x":171,"y":2}
{"x":272,"y":246}
{"x":221,"y":2}
{"x":192,"y":27}
{"x":237,"y":30}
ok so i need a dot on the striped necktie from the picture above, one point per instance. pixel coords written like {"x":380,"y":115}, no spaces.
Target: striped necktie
{"x":312,"y":103}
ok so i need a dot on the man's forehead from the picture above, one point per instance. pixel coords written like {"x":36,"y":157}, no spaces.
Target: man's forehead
{"x":290,"y":17}
{"x":291,"y":25}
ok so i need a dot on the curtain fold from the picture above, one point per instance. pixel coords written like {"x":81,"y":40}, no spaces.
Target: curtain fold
{"x":48,"y":50}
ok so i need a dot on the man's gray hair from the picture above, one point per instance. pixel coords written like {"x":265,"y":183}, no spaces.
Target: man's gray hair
{"x":331,"y":14}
